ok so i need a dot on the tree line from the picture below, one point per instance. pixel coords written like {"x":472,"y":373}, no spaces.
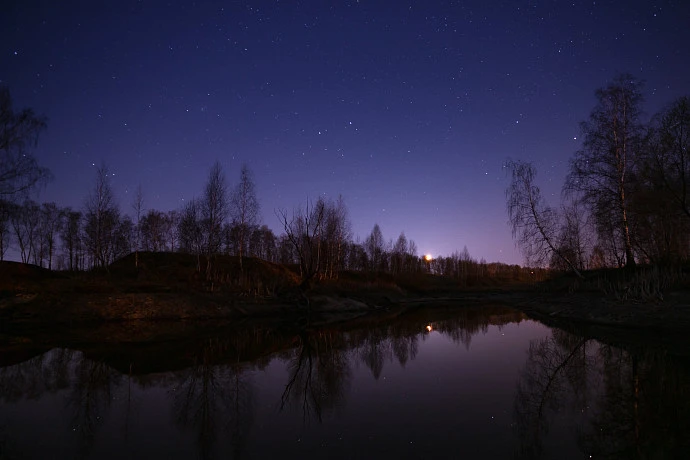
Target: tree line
{"x":626,"y":195}
{"x":223,"y":220}
{"x":317,"y":237}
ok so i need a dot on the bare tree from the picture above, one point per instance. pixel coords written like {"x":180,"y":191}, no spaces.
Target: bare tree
{"x":25,"y":221}
{"x":600,"y":172}
{"x":671,"y":151}
{"x":374,"y":246}
{"x":399,"y":254}
{"x":173,"y":218}
{"x":190,"y":230}
{"x":245,"y":209}
{"x":572,"y":239}
{"x":5,"y":231}
{"x":214,"y":209}
{"x":303,"y":230}
{"x":138,"y":207}
{"x":71,"y":237}
{"x":534,"y":225}
{"x":336,"y":234}
{"x":51,"y":225}
{"x":154,"y":231}
{"x":123,"y":238}
{"x":101,"y":219}
{"x":19,"y":170}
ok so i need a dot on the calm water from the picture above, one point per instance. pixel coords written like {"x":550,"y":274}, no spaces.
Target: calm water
{"x":477,"y":383}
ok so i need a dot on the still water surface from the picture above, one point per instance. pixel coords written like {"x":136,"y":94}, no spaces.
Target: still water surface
{"x":473,"y":383}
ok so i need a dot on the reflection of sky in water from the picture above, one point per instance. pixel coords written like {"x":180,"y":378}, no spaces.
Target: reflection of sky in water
{"x":448,"y":400}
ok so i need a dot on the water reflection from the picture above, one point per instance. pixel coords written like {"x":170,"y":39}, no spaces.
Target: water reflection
{"x":257,"y":391}
{"x":620,"y":403}
{"x":214,"y":399}
{"x":319,"y":374}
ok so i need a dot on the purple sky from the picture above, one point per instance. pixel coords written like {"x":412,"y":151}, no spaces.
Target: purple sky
{"x":406,"y":108}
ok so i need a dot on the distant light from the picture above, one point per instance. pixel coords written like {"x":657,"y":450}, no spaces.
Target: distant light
{"x":429,"y":328}
{"x":428,"y":257}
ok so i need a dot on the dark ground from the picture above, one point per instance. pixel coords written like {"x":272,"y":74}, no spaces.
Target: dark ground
{"x":173,"y":295}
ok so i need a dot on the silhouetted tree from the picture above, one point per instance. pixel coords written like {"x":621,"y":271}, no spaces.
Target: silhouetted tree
{"x":600,"y":172}
{"x":71,"y":237}
{"x":533,"y":224}
{"x":19,"y":131}
{"x":303,"y":230}
{"x":5,"y":230}
{"x":172,"y":237}
{"x":214,"y":209}
{"x":335,"y":234}
{"x":671,"y":151}
{"x":190,"y":230}
{"x":374,"y":245}
{"x":138,"y":207}
{"x":245,"y":210}
{"x":123,"y":238}
{"x":572,"y":239}
{"x":51,"y":224}
{"x":399,"y":254}
{"x":101,"y":219}
{"x":154,"y":230}
{"x":25,"y":221}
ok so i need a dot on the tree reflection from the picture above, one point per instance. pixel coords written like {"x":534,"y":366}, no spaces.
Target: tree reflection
{"x":553,"y":363}
{"x":632,"y":404}
{"x":93,"y":386}
{"x":644,"y":408}
{"x":405,"y":348}
{"x":211,"y":398}
{"x":319,"y":374}
{"x":41,"y":374}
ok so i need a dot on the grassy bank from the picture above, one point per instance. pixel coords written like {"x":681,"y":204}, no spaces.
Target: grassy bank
{"x":173,"y":287}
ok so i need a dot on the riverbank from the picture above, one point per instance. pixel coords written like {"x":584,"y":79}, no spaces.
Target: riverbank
{"x":169,"y":288}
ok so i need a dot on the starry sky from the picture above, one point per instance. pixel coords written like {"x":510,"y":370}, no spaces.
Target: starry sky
{"x":406,"y":108}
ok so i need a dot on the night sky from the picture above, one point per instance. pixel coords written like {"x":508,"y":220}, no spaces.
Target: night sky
{"x":406,"y":108}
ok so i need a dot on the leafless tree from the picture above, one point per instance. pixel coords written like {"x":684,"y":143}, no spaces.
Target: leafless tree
{"x":5,"y":230}
{"x":399,"y":254}
{"x":25,"y":221}
{"x":71,"y":237}
{"x":600,"y":172}
{"x":245,"y":210}
{"x":154,"y":231}
{"x":214,"y":209}
{"x":303,"y":230}
{"x":19,"y":131}
{"x":335,"y":235}
{"x":573,"y":238}
{"x":374,"y":246}
{"x":101,"y":219}
{"x":123,"y":238}
{"x":263,"y":244}
{"x":173,"y":218}
{"x":138,"y":207}
{"x":533,"y":224}
{"x":671,"y":151}
{"x":51,"y":225}
{"x":190,"y":230}
{"x":661,"y":196}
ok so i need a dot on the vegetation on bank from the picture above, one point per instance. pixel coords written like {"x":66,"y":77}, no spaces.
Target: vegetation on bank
{"x":628,"y":207}
{"x":223,"y":280}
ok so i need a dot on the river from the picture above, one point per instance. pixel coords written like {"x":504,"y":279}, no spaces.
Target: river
{"x":468,"y":383}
